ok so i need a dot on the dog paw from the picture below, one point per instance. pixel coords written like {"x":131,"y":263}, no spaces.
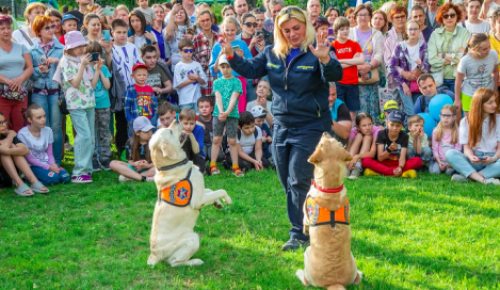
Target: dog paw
{"x":152,"y":260}
{"x":359,"y":277}
{"x":302,"y":277}
{"x":194,"y":262}
{"x":228,"y":200}
{"x":218,"y":204}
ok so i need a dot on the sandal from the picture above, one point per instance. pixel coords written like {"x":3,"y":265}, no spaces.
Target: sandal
{"x":214,"y":170}
{"x":22,"y":189}
{"x":238,"y":173}
{"x":37,"y":188}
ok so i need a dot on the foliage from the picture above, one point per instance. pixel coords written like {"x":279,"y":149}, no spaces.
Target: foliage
{"x":425,"y":233}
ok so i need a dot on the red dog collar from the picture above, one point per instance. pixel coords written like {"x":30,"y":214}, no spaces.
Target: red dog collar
{"x":329,"y":190}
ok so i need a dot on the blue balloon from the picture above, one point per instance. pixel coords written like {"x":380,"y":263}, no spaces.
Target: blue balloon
{"x":429,"y":123}
{"x":437,"y":103}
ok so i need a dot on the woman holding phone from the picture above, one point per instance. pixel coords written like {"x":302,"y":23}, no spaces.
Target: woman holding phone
{"x":92,"y":23}
{"x":45,"y":56}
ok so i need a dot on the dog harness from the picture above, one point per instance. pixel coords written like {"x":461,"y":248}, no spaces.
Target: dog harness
{"x":318,"y":216}
{"x":178,"y":194}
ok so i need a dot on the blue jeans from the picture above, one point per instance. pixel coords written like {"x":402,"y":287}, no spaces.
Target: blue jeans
{"x":408,"y":106}
{"x":450,"y":83}
{"x":50,"y":105}
{"x":84,"y":124}
{"x":291,"y":148}
{"x":425,"y":154}
{"x":464,"y":166}
{"x":48,"y":177}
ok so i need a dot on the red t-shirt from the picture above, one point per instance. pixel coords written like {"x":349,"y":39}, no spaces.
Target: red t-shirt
{"x":347,"y":50}
{"x":62,"y":40}
{"x":145,"y":101}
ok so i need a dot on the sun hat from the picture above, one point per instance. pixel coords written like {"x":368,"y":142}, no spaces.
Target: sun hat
{"x":258,"y":111}
{"x":142,"y":124}
{"x":390,"y":106}
{"x":396,"y":116}
{"x":74,"y":39}
{"x":223,"y":59}
{"x":69,"y":17}
{"x":138,"y":66}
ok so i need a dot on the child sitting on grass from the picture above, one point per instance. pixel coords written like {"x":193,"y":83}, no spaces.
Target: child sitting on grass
{"x":361,"y":144}
{"x":140,"y":99}
{"x":227,"y":90}
{"x":139,"y":166}
{"x":167,"y":115}
{"x":249,"y":142}
{"x":444,"y":138}
{"x":39,"y":138}
{"x":418,"y":142}
{"x":392,"y":144}
{"x":194,"y":134}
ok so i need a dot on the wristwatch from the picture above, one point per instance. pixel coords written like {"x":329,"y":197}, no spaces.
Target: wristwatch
{"x":388,"y":150}
{"x":370,"y":64}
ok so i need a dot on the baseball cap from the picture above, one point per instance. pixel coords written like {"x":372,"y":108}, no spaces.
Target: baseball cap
{"x":394,"y":116}
{"x":138,"y":66}
{"x":223,"y":59}
{"x":390,"y":106}
{"x":69,"y":17}
{"x":258,"y":111}
{"x":142,"y":124}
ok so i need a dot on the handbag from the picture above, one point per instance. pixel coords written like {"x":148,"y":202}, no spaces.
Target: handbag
{"x":373,"y":74}
{"x":9,"y":94}
{"x":63,"y":107}
{"x":414,"y":87}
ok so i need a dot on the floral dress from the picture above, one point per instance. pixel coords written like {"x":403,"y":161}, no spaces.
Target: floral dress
{"x":368,"y":94}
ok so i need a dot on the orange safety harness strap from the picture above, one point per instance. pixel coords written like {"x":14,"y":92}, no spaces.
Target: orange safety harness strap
{"x":318,"y":216}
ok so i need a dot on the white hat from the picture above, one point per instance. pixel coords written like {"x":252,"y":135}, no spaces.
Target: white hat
{"x":223,"y":59}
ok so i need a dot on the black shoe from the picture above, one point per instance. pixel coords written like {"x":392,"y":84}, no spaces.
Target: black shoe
{"x":95,"y":166}
{"x":294,"y":244}
{"x":105,"y":165}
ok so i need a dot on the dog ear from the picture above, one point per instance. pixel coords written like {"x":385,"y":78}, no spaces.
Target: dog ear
{"x":176,"y":127}
{"x":316,"y":157}
{"x":168,"y":150}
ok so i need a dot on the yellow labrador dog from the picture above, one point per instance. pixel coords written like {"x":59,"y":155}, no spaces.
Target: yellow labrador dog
{"x":181,"y":195}
{"x":328,"y":261}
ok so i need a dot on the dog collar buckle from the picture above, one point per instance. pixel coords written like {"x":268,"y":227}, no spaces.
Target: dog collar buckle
{"x":328,"y":190}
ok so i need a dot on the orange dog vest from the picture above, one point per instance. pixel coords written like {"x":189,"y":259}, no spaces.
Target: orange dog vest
{"x":317,"y":215}
{"x":179,"y":194}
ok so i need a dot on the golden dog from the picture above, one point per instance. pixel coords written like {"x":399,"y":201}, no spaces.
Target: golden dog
{"x":181,"y":195}
{"x":328,"y":261}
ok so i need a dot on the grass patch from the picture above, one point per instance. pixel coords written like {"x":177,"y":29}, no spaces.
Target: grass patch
{"x":406,"y":234}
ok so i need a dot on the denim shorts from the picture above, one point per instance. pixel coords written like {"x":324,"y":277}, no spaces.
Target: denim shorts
{"x":231,"y":125}
{"x":349,"y":94}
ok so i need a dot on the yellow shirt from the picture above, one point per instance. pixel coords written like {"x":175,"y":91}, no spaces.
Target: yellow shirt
{"x":495,"y":44}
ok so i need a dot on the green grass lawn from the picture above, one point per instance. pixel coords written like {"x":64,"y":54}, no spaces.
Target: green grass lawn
{"x":406,"y":234}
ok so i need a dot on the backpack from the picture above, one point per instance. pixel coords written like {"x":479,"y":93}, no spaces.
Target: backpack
{"x":117,"y":90}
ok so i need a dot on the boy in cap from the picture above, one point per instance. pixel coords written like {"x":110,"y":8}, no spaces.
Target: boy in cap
{"x":389,"y":107}
{"x":69,"y":23}
{"x":259,"y":113}
{"x":140,"y":99}
{"x":392,"y":146}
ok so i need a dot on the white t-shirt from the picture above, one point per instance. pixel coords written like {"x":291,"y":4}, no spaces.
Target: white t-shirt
{"x":248,"y":142}
{"x":37,"y":146}
{"x":125,"y":58}
{"x":488,"y":141}
{"x":190,"y":93}
{"x":19,"y":38}
{"x":483,"y":27}
{"x":139,"y":41}
{"x":414,"y":54}
{"x":478,"y":72}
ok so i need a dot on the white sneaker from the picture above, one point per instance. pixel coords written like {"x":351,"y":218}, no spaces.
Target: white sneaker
{"x":458,"y":178}
{"x":122,"y":178}
{"x":355,"y":173}
{"x":492,"y":181}
{"x":150,"y":178}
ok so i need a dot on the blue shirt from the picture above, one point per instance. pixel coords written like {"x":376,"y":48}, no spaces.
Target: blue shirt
{"x":101,"y":94}
{"x":293,"y":53}
{"x":199,"y":135}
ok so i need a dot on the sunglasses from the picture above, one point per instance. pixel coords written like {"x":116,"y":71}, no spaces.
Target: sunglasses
{"x":290,"y":12}
{"x":399,"y":17}
{"x":250,"y":24}
{"x":449,"y":16}
{"x":446,"y":116}
{"x":49,"y":28}
{"x":188,"y":50}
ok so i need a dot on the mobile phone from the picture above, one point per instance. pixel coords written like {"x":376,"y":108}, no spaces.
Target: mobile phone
{"x":236,"y":47}
{"x":110,"y":11}
{"x":106,"y":35}
{"x":482,"y":158}
{"x":94,"y":56}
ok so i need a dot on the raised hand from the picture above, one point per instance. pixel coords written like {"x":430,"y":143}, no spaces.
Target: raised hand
{"x":321,"y":51}
{"x":225,"y":45}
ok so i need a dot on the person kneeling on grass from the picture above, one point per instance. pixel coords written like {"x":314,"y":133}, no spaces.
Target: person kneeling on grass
{"x":12,"y":153}
{"x":418,"y":141}
{"x":480,"y":137}
{"x":392,"y":144}
{"x":39,"y":139}
{"x":249,"y":143}
{"x":139,"y":166}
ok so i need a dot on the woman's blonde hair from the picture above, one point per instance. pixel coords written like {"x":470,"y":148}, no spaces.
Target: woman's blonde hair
{"x":32,"y":7}
{"x":281,"y":45}
{"x":475,"y":41}
{"x":122,"y":7}
{"x":230,"y":20}
{"x":440,"y":130}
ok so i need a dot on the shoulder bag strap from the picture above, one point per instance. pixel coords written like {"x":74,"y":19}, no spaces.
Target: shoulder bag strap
{"x":28,"y":39}
{"x":368,"y":41}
